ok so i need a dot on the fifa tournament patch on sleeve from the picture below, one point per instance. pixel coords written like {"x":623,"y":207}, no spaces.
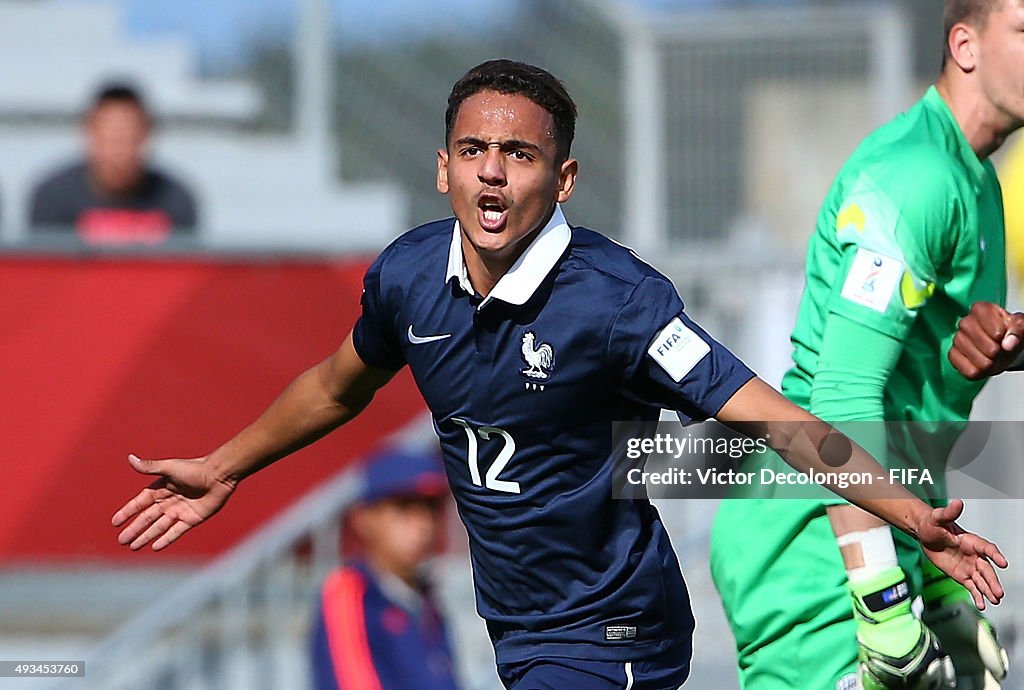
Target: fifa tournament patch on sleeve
{"x":872,"y":280}
{"x":677,"y":349}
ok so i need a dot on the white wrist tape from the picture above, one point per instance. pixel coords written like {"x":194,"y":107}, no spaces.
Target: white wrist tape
{"x":878,"y":552}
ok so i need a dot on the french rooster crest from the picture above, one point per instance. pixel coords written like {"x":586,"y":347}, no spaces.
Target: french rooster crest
{"x":539,"y":359}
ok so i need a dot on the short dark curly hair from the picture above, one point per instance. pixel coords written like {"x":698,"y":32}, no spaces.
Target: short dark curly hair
{"x":511,"y":77}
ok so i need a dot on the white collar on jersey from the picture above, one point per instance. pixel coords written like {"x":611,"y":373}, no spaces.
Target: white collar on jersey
{"x":529,"y":270}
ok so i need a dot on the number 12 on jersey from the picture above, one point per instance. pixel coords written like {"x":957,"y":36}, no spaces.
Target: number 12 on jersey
{"x":490,"y":480}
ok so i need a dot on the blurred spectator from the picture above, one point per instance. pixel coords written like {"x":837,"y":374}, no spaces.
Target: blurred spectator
{"x":114,"y":196}
{"x":377,"y":626}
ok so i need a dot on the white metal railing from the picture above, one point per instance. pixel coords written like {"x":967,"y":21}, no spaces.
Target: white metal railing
{"x":689,"y":79}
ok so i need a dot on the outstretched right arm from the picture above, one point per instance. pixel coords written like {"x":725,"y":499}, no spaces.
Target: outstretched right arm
{"x":188,"y":491}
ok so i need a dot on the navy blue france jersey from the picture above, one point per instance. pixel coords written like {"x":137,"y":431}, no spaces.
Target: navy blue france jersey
{"x":523,"y":387}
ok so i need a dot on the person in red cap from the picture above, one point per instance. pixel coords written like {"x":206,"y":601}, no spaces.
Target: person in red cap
{"x":377,"y":626}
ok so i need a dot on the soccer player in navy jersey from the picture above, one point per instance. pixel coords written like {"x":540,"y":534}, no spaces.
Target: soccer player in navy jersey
{"x":528,"y":337}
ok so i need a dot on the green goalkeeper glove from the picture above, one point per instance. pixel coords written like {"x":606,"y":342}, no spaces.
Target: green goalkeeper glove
{"x":980,"y":662}
{"x":897,"y":651}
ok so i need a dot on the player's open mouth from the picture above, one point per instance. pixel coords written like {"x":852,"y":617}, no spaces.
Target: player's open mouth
{"x":491,"y":213}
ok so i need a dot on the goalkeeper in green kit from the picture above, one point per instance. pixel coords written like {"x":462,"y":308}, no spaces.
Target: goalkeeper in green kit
{"x":909,"y":237}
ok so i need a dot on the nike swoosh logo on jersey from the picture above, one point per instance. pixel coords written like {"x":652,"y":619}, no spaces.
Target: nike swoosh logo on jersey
{"x":419,"y":340}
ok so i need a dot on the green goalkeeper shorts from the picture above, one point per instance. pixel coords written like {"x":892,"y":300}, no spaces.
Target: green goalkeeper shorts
{"x":778,"y":570}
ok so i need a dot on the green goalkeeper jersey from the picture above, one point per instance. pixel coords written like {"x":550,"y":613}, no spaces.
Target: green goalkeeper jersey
{"x":909,"y":236}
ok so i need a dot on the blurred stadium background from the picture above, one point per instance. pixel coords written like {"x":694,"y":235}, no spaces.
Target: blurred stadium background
{"x":709,"y":132}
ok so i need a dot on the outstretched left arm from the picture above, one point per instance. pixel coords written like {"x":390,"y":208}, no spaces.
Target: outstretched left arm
{"x":759,"y":410}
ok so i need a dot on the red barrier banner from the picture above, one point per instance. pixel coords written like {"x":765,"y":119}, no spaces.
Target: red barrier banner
{"x":100,"y":357}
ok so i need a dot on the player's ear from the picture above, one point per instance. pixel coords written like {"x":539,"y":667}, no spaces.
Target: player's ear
{"x":962,"y":46}
{"x":442,"y":171}
{"x":566,"y":179}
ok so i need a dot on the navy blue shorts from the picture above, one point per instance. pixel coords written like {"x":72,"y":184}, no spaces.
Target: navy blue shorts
{"x":665,"y":672}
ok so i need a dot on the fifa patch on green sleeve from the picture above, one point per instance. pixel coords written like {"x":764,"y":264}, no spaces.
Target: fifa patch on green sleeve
{"x":872,"y":280}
